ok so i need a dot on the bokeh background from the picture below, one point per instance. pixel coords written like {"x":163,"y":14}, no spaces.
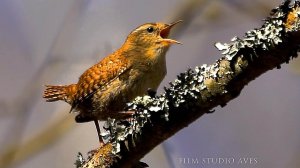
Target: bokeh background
{"x":54,"y":41}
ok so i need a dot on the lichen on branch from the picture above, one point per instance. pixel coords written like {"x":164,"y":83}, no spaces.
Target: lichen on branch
{"x":197,"y":91}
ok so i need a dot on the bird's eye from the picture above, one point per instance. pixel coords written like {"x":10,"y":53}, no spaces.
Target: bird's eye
{"x":150,"y":29}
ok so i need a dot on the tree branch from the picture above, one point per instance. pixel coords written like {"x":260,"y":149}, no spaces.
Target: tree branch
{"x":198,"y":91}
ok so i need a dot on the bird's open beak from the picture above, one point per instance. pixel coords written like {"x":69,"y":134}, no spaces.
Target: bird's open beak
{"x":164,"y":33}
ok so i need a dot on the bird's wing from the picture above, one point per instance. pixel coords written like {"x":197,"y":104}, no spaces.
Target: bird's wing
{"x":99,"y":76}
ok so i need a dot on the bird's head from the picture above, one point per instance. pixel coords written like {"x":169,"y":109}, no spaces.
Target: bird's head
{"x":152,"y":36}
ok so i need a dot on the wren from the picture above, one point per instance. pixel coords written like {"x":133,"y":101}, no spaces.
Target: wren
{"x":103,"y":90}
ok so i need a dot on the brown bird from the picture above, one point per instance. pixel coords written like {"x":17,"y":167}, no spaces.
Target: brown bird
{"x":104,"y":89}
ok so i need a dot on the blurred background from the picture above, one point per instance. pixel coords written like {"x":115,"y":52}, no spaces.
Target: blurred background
{"x":54,"y":41}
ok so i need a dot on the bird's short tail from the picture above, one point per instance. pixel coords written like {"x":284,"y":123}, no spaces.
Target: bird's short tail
{"x":60,"y":92}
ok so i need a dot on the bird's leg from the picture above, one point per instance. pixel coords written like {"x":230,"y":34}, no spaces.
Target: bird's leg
{"x":99,"y":133}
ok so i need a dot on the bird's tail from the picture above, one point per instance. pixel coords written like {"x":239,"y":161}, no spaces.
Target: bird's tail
{"x":60,"y":92}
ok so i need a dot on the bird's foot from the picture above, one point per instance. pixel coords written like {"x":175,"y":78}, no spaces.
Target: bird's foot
{"x":102,"y":143}
{"x":151,"y":92}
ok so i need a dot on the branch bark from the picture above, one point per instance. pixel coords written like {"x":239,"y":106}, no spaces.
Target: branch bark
{"x":198,"y":91}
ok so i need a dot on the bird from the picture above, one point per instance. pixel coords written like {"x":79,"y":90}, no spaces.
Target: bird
{"x":103,"y":90}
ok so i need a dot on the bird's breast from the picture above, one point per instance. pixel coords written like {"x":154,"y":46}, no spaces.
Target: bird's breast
{"x":149,"y":75}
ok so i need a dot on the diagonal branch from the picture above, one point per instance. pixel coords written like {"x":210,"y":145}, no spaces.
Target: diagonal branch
{"x":198,"y":91}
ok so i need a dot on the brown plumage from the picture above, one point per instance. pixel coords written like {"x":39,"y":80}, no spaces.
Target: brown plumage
{"x":104,"y":89}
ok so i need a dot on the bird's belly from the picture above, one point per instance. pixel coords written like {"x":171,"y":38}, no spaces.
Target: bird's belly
{"x":109,"y":102}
